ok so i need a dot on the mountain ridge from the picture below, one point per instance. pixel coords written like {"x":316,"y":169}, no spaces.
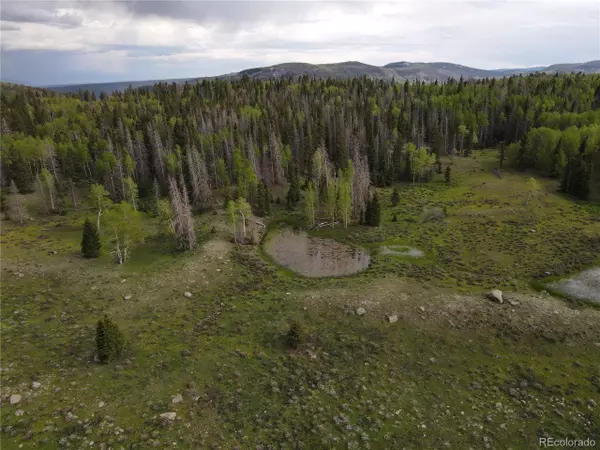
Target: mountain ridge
{"x":401,"y":70}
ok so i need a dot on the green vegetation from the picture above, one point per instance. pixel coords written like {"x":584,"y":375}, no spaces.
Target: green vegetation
{"x":90,"y":242}
{"x":110,"y":342}
{"x":407,"y":353}
{"x":294,"y":335}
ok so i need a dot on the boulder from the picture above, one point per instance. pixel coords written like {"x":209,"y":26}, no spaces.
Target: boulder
{"x":168,"y":416}
{"x":177,"y":398}
{"x":187,"y":294}
{"x":36,"y":385}
{"x":496,"y":295}
{"x":127,"y":297}
{"x":360,"y":311}
{"x":14,"y":399}
{"x":392,"y":319}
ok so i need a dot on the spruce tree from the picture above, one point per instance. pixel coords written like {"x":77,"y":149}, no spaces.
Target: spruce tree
{"x":90,"y":243}
{"x":373,"y":212}
{"x":110,"y":342}
{"x":448,"y":175}
{"x":266,"y":200}
{"x":294,"y":335}
{"x":293,"y":194}
{"x":395,"y":197}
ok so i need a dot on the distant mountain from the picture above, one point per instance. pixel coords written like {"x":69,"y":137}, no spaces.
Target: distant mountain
{"x":109,"y":88}
{"x":587,"y":67}
{"x":403,"y":70}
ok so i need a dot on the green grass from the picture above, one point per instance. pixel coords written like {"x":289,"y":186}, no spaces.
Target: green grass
{"x":370,"y":384}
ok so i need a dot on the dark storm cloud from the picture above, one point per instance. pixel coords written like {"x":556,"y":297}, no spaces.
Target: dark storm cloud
{"x":230,"y":14}
{"x":7,"y":26}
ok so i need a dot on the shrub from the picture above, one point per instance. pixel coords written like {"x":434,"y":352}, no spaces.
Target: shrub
{"x":395,"y":197}
{"x":294,"y":335}
{"x":110,"y":342}
{"x":448,"y":175}
{"x":90,"y":243}
{"x":432,"y":214}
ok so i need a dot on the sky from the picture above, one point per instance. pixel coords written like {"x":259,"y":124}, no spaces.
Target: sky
{"x":49,"y":42}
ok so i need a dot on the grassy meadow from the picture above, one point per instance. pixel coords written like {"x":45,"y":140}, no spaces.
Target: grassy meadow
{"x":455,"y":371}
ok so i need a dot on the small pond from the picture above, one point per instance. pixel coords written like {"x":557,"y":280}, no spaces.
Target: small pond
{"x":313,"y":256}
{"x":585,"y":286}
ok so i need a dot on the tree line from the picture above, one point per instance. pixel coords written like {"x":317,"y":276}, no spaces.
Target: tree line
{"x":333,"y":139}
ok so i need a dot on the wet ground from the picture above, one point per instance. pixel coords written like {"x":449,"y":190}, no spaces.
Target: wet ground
{"x":402,"y":250}
{"x":585,"y":286}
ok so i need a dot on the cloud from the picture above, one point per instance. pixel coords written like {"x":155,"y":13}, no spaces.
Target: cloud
{"x":115,"y":39}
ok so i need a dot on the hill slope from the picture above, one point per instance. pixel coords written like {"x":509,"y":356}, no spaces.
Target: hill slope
{"x":402,"y":70}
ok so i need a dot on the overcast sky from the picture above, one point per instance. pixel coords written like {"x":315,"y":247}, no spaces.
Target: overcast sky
{"x":49,"y":42}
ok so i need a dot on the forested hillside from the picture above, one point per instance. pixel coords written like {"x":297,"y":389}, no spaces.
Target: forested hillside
{"x":242,"y":134}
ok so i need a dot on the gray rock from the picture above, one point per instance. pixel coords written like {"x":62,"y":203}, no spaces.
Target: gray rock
{"x":19,"y":412}
{"x":14,"y":399}
{"x":101,"y":405}
{"x":186,"y":353}
{"x":592,"y":403}
{"x":127,"y":297}
{"x":360,"y":311}
{"x":422,"y":308}
{"x":178,"y":398}
{"x":168,"y":416}
{"x":187,"y":294}
{"x":496,"y":295}
{"x":392,"y":319}
{"x":488,"y":419}
{"x":36,"y":385}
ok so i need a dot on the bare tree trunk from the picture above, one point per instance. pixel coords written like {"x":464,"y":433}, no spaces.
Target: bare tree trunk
{"x":73,"y":193}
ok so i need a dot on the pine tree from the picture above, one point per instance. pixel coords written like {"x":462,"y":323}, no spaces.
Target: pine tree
{"x":373,"y":214}
{"x":90,"y":243}
{"x":448,"y":175}
{"x":395,"y":197}
{"x":110,"y":342}
{"x":267,"y":200}
{"x":293,"y":194}
{"x":293,"y":338}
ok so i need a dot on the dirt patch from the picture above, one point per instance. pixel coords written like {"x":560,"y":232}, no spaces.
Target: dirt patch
{"x":411,"y":301}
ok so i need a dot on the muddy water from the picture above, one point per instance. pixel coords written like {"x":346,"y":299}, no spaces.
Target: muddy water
{"x":585,"y":286}
{"x":315,"y":257}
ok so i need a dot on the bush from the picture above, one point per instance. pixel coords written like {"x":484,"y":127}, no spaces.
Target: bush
{"x":395,"y":197}
{"x":432,"y":214}
{"x":90,"y":243}
{"x":110,"y":342}
{"x":294,"y":335}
